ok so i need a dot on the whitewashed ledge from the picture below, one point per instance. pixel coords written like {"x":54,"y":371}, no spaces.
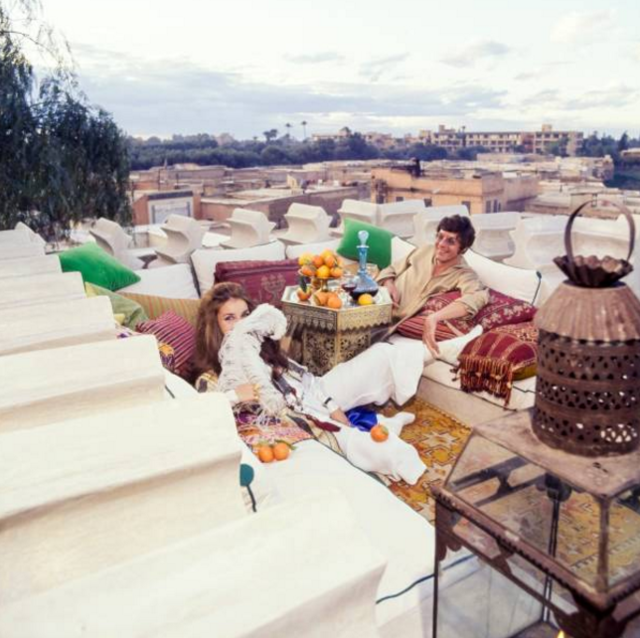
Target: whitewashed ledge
{"x":40,"y":387}
{"x":29,"y":266}
{"x":40,"y":289}
{"x":55,"y":325}
{"x":86,"y":494}
{"x":303,"y":568}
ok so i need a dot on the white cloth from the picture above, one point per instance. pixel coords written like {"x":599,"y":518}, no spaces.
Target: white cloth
{"x":382,"y":372}
{"x":393,"y":457}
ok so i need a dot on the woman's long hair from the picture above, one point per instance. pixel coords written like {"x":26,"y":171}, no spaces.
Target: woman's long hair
{"x":209,"y":336}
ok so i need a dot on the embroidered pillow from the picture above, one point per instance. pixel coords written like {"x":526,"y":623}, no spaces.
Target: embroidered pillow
{"x":414,"y":326}
{"x":264,"y":281}
{"x":179,"y":334}
{"x":497,"y":358}
{"x":501,"y":310}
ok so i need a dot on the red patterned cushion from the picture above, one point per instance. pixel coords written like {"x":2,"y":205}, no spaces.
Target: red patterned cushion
{"x":501,"y":310}
{"x":497,"y":358}
{"x":178,"y":333}
{"x":414,"y":326}
{"x":264,"y":281}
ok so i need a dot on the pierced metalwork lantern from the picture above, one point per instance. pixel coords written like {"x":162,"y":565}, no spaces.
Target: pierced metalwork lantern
{"x":552,"y":529}
{"x":588,"y":379}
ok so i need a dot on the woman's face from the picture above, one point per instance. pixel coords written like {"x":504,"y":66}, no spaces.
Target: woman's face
{"x":230,"y":313}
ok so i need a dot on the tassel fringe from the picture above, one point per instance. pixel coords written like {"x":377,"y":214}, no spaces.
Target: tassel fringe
{"x":487,"y":374}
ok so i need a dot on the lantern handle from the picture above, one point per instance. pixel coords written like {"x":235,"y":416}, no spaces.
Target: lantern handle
{"x":623,"y":209}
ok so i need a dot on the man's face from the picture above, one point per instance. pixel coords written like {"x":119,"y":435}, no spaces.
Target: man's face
{"x":448,"y":246}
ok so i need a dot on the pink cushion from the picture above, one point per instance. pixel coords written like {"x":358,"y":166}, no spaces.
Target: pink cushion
{"x":178,"y":333}
{"x":264,"y":281}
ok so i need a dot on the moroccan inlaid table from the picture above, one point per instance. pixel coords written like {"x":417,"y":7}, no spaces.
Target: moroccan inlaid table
{"x":328,"y":337}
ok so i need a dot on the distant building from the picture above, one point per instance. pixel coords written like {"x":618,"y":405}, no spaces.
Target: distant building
{"x":505,"y":141}
{"x":479,"y":191}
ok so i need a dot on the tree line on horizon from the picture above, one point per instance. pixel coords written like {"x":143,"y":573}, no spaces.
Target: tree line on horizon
{"x":204,"y":150}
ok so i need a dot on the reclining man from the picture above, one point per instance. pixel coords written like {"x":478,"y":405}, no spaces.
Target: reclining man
{"x":431,"y":270}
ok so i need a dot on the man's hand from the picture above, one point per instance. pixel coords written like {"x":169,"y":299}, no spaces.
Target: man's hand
{"x":246,"y":392}
{"x":429,"y":335}
{"x":339,"y":416}
{"x":390,"y":285}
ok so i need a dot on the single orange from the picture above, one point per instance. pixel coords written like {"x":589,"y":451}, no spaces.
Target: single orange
{"x":323,"y":272}
{"x":265,"y":453}
{"x":329,"y":260}
{"x":321,"y":298}
{"x":379,"y":433}
{"x":305,"y":258}
{"x":308,"y":270}
{"x":365,"y":300}
{"x":318,"y":261}
{"x":334,"y":302}
{"x":336,"y":272}
{"x":302,"y":295}
{"x":281,"y":451}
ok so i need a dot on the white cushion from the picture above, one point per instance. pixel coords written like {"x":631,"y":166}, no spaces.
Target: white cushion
{"x":400,"y":249}
{"x":205,"y":260}
{"x":516,"y":282}
{"x":175,"y":282}
{"x":523,"y":393}
{"x":294,"y":251}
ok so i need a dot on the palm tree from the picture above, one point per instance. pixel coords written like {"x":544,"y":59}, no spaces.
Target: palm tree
{"x":304,"y":129}
{"x":288,"y":127}
{"x":270,"y":135}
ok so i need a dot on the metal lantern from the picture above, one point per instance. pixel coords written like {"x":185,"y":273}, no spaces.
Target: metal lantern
{"x":588,"y":380}
{"x":547,"y":501}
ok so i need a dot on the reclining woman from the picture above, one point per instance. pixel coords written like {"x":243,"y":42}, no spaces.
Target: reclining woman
{"x":237,"y":352}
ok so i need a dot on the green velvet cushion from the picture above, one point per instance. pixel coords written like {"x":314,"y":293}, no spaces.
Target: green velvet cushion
{"x":379,"y":243}
{"x":133,"y":312}
{"x":97,"y":267}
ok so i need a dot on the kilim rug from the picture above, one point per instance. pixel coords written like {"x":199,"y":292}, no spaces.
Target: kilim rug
{"x":439,"y":439}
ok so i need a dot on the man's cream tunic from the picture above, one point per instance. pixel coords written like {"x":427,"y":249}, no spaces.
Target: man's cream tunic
{"x":415,"y":282}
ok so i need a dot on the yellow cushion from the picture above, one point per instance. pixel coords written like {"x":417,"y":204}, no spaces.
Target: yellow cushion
{"x":156,"y":306}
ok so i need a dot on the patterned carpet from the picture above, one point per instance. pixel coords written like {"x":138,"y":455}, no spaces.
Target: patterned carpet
{"x":439,"y":439}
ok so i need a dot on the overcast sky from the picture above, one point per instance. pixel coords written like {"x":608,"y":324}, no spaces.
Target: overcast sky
{"x":244,"y":66}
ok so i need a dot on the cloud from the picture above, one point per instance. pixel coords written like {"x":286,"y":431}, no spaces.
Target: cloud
{"x":375,"y":69}
{"x":315,"y":58}
{"x":476,"y":52}
{"x":175,"y":96}
{"x":582,"y":26}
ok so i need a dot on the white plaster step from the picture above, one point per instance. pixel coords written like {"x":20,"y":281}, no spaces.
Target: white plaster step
{"x":64,"y":383}
{"x":29,"y":266}
{"x":86,"y":494}
{"x":55,"y":325}
{"x":40,"y":289}
{"x":303,"y":568}
{"x":20,"y":251}
{"x":13,"y":238}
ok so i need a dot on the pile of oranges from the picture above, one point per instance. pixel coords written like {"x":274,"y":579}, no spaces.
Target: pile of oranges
{"x":269,"y":452}
{"x":326,"y":265}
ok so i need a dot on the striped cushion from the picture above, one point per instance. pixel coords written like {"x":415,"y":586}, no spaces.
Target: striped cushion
{"x":178,"y":333}
{"x":414,"y":326}
{"x":156,"y":306}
